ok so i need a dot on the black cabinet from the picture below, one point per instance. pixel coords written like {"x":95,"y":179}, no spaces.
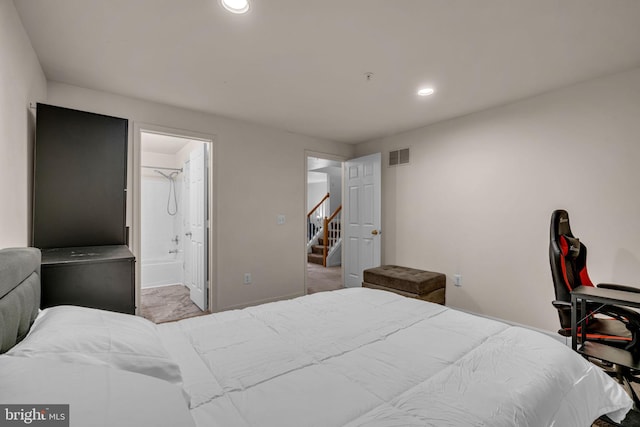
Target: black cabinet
{"x":80,"y":179}
{"x":79,"y":209}
{"x":89,"y":276}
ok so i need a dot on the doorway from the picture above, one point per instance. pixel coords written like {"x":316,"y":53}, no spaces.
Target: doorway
{"x":323,"y":237}
{"x":174,"y":226}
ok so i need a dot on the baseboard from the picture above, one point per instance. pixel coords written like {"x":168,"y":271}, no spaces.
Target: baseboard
{"x":564,"y":340}
{"x":262,"y":301}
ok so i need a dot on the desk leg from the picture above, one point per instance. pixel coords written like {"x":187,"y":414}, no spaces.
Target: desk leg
{"x":583,"y":320}
{"x":574,"y":320}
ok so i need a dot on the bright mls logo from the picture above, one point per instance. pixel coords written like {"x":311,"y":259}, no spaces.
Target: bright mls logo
{"x":34,"y":415}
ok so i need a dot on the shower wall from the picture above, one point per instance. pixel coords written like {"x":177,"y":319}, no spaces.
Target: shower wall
{"x":161,"y":257}
{"x":160,"y":228}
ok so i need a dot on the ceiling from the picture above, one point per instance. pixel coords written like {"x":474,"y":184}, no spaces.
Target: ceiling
{"x":300,"y":65}
{"x":162,"y":144}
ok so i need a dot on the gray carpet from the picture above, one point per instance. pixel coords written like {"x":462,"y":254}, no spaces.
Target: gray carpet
{"x":321,"y":278}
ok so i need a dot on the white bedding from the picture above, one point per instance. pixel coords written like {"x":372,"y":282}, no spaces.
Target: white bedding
{"x":354,"y":357}
{"x":97,"y":395}
{"x":359,"y":357}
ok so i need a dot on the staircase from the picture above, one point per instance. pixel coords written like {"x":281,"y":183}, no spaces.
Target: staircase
{"x":325,"y":239}
{"x":316,"y":255}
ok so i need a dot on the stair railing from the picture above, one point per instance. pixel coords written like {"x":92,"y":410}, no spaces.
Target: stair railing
{"x":332,"y":233}
{"x":315,"y":217}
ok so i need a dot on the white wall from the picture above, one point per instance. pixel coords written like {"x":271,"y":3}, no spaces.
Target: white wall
{"x":315,"y":192}
{"x":158,"y":227}
{"x":335,"y":187}
{"x":21,"y":82}
{"x":479,"y":192}
{"x":260,"y":173}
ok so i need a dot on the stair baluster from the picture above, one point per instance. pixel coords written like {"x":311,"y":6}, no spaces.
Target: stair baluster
{"x":314,"y":217}
{"x":329,"y":228}
{"x":332,"y":229}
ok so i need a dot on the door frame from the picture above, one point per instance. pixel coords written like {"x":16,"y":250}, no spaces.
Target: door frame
{"x":134,"y":200}
{"x":327,"y":156}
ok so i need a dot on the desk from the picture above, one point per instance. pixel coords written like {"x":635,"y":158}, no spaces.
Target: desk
{"x":583,"y":294}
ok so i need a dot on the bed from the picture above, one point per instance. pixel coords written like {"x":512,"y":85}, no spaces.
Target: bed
{"x":353,"y":357}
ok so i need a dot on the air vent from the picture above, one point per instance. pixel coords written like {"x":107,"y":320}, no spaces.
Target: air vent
{"x":399,"y":157}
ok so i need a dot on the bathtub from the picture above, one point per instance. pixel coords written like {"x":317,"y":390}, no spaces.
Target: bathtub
{"x":161,"y":272}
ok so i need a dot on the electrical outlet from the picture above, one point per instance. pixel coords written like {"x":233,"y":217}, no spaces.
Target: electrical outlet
{"x":247,"y":278}
{"x":281,"y":219}
{"x":457,"y":280}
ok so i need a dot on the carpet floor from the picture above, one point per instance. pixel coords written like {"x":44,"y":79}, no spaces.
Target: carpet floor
{"x":320,"y":279}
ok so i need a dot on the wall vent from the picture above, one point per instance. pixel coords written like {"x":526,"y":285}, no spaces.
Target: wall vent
{"x":399,"y":157}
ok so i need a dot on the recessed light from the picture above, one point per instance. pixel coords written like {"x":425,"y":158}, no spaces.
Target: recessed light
{"x":236,"y":6}
{"x":426,"y":91}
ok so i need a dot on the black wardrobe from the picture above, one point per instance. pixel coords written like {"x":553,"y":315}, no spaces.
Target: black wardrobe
{"x":79,"y":209}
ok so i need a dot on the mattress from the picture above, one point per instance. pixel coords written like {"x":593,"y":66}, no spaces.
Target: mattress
{"x":363,"y":357}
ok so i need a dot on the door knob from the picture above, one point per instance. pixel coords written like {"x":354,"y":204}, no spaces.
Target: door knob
{"x":375,"y":232}
{"x":188,"y":234}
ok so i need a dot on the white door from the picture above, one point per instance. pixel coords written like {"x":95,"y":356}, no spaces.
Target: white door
{"x":186,"y":224}
{"x":198,"y":224}
{"x":362,"y":189}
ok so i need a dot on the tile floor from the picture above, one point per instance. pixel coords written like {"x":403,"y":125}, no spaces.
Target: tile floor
{"x":168,"y":304}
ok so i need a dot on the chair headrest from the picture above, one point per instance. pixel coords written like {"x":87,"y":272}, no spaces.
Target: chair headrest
{"x":570,"y":246}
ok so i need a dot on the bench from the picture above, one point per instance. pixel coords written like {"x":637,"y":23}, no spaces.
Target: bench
{"x":410,"y":282}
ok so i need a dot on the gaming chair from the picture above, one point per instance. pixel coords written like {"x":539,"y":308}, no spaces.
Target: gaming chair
{"x":568,"y":259}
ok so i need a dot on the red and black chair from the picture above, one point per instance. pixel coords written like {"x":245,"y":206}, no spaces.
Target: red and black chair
{"x":620,"y":326}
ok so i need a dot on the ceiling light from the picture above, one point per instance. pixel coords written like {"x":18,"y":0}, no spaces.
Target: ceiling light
{"x":236,"y":6}
{"x":426,"y":91}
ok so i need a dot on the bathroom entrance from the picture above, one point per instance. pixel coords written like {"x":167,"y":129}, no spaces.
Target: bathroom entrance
{"x":174,"y":226}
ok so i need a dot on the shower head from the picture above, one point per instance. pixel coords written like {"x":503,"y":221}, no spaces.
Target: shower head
{"x":172,"y":189}
{"x":170,"y":176}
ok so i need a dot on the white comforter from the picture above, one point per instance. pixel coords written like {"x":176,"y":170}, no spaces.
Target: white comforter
{"x":359,"y":357}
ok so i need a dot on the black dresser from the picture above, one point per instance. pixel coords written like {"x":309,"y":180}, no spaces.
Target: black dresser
{"x":79,"y":209}
{"x":90,"y":276}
